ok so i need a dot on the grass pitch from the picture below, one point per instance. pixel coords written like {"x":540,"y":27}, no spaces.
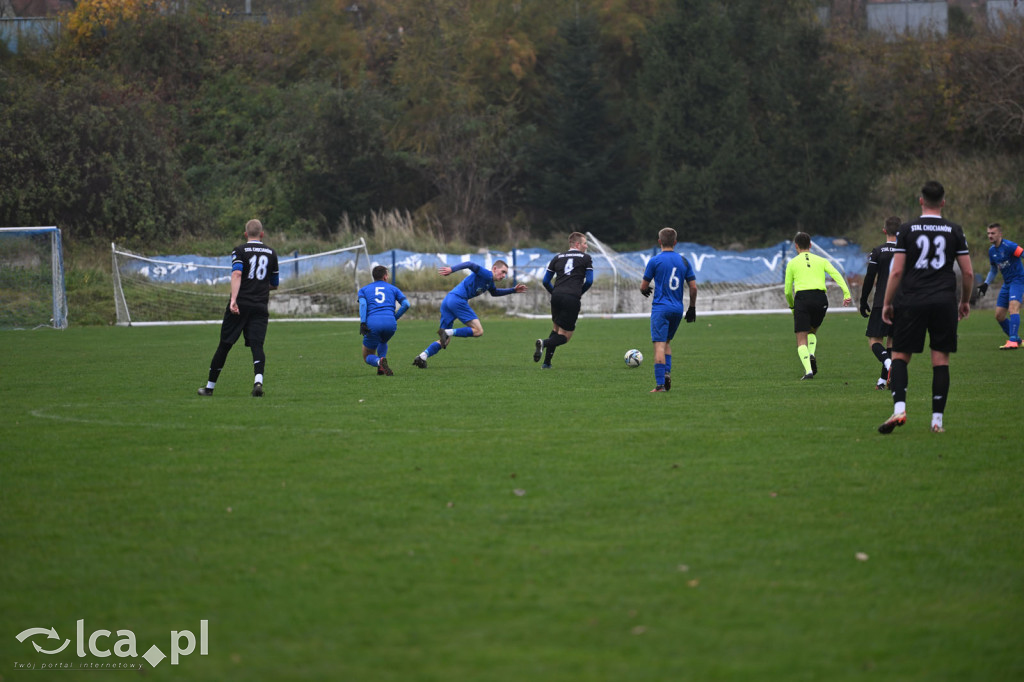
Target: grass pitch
{"x":487,"y":520}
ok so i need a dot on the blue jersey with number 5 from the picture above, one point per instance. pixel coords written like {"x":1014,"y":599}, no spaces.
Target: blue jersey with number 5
{"x":380,"y":299}
{"x":669,"y":270}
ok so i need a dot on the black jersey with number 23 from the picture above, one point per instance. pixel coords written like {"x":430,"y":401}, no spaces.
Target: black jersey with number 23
{"x":931,"y":245}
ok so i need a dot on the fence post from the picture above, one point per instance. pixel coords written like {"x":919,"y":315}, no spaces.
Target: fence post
{"x":394,"y":269}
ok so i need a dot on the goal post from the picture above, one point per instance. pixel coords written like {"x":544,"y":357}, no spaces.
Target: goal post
{"x":164,"y":290}
{"x":32,"y":288}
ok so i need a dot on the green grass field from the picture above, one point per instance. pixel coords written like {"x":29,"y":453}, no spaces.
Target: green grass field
{"x":486,"y":520}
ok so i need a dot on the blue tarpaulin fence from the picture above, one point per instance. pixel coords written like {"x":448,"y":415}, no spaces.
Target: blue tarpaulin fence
{"x":754,"y":266}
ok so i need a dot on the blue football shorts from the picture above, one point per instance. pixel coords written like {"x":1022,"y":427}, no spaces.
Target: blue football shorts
{"x":381,"y":331}
{"x":455,"y":308}
{"x":1010,"y":292}
{"x":664,"y":325}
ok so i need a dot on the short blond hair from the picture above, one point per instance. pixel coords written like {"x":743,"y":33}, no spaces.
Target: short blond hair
{"x":253,"y":228}
{"x":577,"y":238}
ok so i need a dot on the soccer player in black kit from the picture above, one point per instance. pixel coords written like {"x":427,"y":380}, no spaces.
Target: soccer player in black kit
{"x":573,"y":273}
{"x":253,"y":275}
{"x":878,"y":270}
{"x":921,"y":298}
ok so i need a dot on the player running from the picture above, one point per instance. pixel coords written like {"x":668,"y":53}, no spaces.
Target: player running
{"x":378,"y":319}
{"x":455,"y":305}
{"x":573,"y":273}
{"x":877,"y":331}
{"x":667,"y":270}
{"x":805,"y":294}
{"x":1005,"y":257}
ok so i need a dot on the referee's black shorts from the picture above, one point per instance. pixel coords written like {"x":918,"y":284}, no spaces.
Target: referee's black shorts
{"x":911,"y":322}
{"x":251,"y":321}
{"x":565,"y":310}
{"x":809,"y":308}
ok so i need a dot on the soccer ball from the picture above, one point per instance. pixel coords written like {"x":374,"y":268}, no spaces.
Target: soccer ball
{"x":633,"y":357}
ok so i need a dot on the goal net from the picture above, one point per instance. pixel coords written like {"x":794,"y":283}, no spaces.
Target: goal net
{"x":194,"y":289}
{"x":727,"y":281}
{"x":32,"y":292}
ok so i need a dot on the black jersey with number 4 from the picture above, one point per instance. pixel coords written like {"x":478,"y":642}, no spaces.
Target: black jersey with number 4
{"x":570,"y":271}
{"x":259,"y":272}
{"x":931,"y":245}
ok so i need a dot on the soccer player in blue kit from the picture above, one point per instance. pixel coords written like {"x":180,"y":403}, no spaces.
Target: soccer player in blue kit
{"x":455,"y":305}
{"x":1005,"y":258}
{"x":668,"y":270}
{"x":378,"y":319}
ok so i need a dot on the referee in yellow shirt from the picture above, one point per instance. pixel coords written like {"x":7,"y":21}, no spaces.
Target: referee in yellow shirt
{"x":805,"y":294}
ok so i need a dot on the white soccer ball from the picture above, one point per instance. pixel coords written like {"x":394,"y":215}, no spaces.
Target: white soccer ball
{"x":633,"y":357}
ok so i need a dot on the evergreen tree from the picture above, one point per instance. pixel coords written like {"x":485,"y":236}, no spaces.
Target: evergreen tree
{"x":745,"y":136}
{"x":576,"y":176}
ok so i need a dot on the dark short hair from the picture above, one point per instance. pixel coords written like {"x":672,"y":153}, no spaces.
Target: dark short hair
{"x":892,"y":224}
{"x":995,"y":226}
{"x":667,"y":236}
{"x":933,"y":193}
{"x":499,"y":262}
{"x":378,"y":273}
{"x":576,"y":238}
{"x":802,"y":240}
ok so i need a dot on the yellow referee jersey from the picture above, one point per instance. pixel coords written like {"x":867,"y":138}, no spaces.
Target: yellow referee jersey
{"x":807,"y":271}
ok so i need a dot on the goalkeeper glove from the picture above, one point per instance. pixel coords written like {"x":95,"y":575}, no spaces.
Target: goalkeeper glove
{"x":647,"y":292}
{"x":363,"y":329}
{"x":691,"y":314}
{"x":865,"y":309}
{"x":983,"y":288}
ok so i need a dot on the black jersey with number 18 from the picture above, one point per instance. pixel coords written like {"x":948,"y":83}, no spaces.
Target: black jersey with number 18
{"x":931,"y":245}
{"x":259,"y":272}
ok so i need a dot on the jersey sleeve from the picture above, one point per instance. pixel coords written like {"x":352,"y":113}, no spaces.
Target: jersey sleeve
{"x":468,"y":265}
{"x":837,"y":277}
{"x":869,"y":281}
{"x":788,"y":288}
{"x":690,"y":274}
{"x":649,"y":271}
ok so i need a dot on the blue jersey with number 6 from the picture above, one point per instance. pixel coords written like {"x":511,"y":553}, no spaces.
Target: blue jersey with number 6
{"x":668,"y":270}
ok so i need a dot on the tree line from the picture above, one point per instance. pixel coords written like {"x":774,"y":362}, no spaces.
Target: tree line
{"x":494,"y":121}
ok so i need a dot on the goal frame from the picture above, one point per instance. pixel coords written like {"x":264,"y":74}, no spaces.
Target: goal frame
{"x":58,"y":289}
{"x":285,"y":264}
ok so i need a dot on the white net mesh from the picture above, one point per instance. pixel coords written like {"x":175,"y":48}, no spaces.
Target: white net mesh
{"x":188,"y":289}
{"x":32,"y":290}
{"x":727,"y":281}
